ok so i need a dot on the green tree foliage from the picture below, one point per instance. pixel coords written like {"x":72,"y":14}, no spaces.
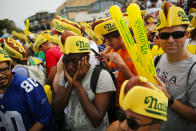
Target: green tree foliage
{"x":9,"y":26}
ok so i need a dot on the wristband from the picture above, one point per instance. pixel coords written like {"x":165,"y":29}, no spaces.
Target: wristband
{"x":170,"y":101}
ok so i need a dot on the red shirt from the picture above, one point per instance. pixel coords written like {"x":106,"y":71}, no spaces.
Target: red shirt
{"x":52,"y":57}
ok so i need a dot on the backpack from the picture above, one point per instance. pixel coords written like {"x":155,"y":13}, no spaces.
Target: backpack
{"x":111,"y":110}
{"x":35,"y":73}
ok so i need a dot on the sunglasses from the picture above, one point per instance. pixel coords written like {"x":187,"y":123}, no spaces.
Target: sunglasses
{"x":131,"y":122}
{"x":175,"y":35}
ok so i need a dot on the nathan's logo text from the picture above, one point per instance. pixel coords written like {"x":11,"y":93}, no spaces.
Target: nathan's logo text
{"x":183,"y":16}
{"x":4,"y":53}
{"x":154,"y":106}
{"x":82,"y":45}
{"x":110,"y":26}
{"x":140,"y":30}
{"x":61,"y":27}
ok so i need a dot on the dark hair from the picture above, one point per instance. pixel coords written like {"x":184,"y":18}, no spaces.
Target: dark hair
{"x":113,"y":34}
{"x":81,"y":54}
{"x":116,"y":34}
{"x":22,"y":62}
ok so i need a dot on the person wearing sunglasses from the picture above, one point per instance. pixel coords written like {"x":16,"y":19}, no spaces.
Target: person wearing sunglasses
{"x":143,"y":106}
{"x":23,"y":102}
{"x":176,"y":68}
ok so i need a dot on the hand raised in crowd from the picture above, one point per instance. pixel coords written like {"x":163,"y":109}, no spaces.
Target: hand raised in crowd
{"x":82,"y":69}
{"x":162,"y":86}
{"x":116,"y":59}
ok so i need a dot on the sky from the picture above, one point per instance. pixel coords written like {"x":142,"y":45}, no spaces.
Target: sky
{"x":19,"y":10}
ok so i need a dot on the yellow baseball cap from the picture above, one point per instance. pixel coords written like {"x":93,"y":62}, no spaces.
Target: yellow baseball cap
{"x":75,"y":44}
{"x":107,"y":26}
{"x":14,"y":49}
{"x":40,"y":40}
{"x":143,"y":100}
{"x":4,"y":56}
{"x":170,"y":16}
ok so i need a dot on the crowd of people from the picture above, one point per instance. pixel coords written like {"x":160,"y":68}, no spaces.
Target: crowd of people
{"x":85,"y":79}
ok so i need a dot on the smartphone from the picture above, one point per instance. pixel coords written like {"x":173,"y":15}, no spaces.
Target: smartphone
{"x":95,"y":52}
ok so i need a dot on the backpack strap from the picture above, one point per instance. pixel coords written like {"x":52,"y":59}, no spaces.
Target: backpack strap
{"x":190,"y":71}
{"x":94,"y":78}
{"x":157,"y":60}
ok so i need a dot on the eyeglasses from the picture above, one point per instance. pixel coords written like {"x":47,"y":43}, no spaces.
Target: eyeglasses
{"x":131,"y":122}
{"x":175,"y":35}
{"x":4,"y":70}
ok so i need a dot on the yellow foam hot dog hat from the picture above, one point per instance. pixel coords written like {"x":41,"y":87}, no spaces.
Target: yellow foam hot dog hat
{"x":97,"y":39}
{"x":19,"y":36}
{"x":192,"y":10}
{"x":76,"y":44}
{"x":4,"y":56}
{"x":193,"y":21}
{"x":40,"y":40}
{"x":150,"y":102}
{"x":107,"y":26}
{"x":14,"y":49}
{"x":54,"y":39}
{"x":62,"y":26}
{"x":170,"y":16}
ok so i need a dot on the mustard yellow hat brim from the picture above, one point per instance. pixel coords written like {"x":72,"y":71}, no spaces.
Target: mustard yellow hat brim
{"x":4,"y":56}
{"x":145,"y":101}
{"x":76,"y":44}
{"x":107,"y":27}
{"x":40,"y":40}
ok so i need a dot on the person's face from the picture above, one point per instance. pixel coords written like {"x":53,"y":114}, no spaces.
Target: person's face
{"x":71,"y":62}
{"x":115,"y":42}
{"x":173,"y":46}
{"x":43,"y":47}
{"x":156,"y":39}
{"x":135,"y":118}
{"x":5,"y":75}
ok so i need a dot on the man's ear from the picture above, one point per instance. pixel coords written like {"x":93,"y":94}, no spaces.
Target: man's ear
{"x":187,"y":34}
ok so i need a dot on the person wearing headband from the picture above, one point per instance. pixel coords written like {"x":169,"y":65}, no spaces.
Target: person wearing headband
{"x":52,"y":54}
{"x":143,"y":106}
{"x":24,"y":105}
{"x":177,"y":69}
{"x":86,"y":110}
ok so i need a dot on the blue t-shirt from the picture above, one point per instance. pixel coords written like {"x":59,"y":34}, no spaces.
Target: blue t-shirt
{"x":23,"y":104}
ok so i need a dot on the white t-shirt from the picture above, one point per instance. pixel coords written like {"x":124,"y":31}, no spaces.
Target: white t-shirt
{"x":93,"y":60}
{"x":76,"y":117}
